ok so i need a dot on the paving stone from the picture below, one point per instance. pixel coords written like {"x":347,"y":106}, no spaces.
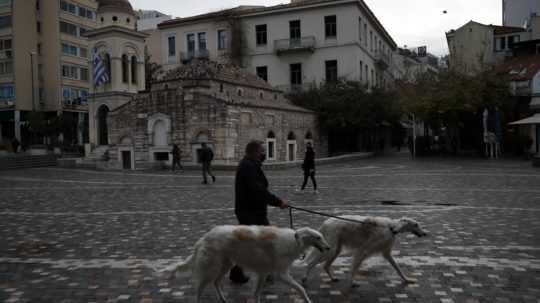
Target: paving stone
{"x":69,"y":235}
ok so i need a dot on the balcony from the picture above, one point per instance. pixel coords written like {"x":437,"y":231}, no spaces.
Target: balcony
{"x":282,"y":46}
{"x":382,"y":60}
{"x":186,"y":57}
{"x":76,"y":104}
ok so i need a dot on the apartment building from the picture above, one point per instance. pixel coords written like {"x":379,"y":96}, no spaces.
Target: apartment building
{"x":44,"y":62}
{"x":518,"y":12}
{"x":410,"y":63}
{"x":292,"y":46}
{"x":149,"y":19}
{"x":476,"y":46}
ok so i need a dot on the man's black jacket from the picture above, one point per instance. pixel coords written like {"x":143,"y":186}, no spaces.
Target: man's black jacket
{"x":309,"y":159}
{"x":251,"y":190}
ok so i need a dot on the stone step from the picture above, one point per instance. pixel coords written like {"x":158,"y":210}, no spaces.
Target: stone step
{"x":16,"y":162}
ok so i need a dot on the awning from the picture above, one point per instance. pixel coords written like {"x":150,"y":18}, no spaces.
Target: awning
{"x":531,"y":120}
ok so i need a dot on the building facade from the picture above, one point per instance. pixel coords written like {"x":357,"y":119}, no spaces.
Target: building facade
{"x":292,"y":46}
{"x":149,"y":19}
{"x":518,"y":12}
{"x":44,"y":62}
{"x":207,"y":102}
{"x":475,"y":46}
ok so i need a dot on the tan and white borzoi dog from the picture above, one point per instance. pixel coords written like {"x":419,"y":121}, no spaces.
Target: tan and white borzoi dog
{"x":375,"y":236}
{"x":262,"y":249}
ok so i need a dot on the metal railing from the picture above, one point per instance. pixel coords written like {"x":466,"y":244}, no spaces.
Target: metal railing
{"x":383,"y":59}
{"x":198,"y":54}
{"x":304,"y":43}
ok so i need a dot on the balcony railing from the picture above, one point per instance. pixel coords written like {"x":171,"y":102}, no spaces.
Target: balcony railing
{"x":76,"y":103}
{"x":295,"y":88}
{"x":294,"y":45}
{"x":186,"y":57}
{"x":382,"y":59}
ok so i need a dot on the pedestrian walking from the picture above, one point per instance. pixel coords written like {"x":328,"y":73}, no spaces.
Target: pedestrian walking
{"x":207,"y":155}
{"x":308,"y":166}
{"x":252,"y":196}
{"x":176,"y":156}
{"x":15,"y":144}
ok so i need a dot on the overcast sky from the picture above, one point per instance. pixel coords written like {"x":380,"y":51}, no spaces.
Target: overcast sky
{"x":410,"y":22}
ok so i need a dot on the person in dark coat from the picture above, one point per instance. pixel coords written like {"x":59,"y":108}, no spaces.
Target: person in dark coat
{"x":308,"y":166}
{"x":207,"y":155}
{"x":15,"y":144}
{"x":252,"y":196}
{"x":176,"y":156}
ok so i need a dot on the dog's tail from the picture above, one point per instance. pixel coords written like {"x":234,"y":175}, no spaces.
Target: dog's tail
{"x":180,"y":266}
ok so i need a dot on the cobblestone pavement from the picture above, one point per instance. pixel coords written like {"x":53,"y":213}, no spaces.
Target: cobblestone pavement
{"x":71,"y":235}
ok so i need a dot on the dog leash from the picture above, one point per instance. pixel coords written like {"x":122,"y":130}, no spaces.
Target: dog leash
{"x":318,"y":213}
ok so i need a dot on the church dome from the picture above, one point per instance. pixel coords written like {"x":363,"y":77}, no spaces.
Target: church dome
{"x":120,"y":6}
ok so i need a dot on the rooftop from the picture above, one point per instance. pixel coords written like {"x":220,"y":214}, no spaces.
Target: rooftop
{"x":521,"y":68}
{"x":252,"y":10}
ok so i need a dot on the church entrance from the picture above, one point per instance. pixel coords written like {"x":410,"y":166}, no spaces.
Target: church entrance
{"x":126,"y":159}
{"x":103,"y":132}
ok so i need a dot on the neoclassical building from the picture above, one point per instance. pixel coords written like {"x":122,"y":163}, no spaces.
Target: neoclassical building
{"x":222,"y":105}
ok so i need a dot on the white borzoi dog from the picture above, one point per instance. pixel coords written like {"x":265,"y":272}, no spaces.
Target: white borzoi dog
{"x":264,"y":250}
{"x":375,"y":236}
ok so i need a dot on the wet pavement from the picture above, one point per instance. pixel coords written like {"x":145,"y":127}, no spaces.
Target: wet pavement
{"x":71,"y":235}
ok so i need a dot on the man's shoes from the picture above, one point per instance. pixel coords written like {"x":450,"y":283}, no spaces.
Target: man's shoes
{"x":213,"y":178}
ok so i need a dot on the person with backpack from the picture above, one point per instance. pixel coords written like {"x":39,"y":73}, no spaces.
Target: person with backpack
{"x":207,"y":155}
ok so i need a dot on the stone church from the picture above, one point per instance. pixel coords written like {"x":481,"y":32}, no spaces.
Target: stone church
{"x":222,"y":105}
{"x":204,"y":101}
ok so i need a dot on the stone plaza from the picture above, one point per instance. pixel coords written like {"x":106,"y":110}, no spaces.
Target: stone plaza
{"x":69,"y":235}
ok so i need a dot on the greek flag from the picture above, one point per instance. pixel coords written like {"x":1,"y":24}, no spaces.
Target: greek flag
{"x":101,"y":75}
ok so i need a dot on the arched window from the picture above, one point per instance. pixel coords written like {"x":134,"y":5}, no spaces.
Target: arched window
{"x":125,"y":69}
{"x":291,"y":147}
{"x":309,"y":136}
{"x":221,"y":88}
{"x":291,"y":136}
{"x":160,"y":133}
{"x":103,"y":131}
{"x":107,"y":59}
{"x":239,"y":92}
{"x":134,"y":70}
{"x":271,"y":145}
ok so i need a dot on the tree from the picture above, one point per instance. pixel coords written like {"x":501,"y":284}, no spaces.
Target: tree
{"x":347,"y":109}
{"x":152,"y":70}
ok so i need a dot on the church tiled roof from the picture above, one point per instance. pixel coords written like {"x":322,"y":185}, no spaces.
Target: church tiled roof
{"x":210,"y":70}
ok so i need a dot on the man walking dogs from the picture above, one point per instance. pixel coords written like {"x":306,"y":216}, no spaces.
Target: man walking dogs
{"x":207,"y":155}
{"x":309,"y":167}
{"x":252,"y":196}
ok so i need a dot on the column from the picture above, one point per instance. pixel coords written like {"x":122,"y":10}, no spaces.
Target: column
{"x":17,"y":118}
{"x":80,"y":128}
